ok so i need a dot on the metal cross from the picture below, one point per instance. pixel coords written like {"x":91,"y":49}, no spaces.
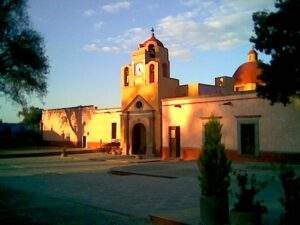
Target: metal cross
{"x":152,"y":30}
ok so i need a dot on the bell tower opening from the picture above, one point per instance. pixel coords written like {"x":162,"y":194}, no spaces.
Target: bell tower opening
{"x":151,"y":51}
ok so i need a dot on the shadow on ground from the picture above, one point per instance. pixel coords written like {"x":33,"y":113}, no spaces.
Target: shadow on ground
{"x":20,"y":208}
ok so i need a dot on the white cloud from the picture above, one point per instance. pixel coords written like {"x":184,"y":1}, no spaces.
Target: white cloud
{"x":207,"y":25}
{"x":191,"y":2}
{"x":98,"y":25}
{"x":89,"y":12}
{"x":91,"y":48}
{"x":111,"y":49}
{"x":221,"y":25}
{"x":125,"y":42}
{"x":178,"y":52}
{"x":116,"y":7}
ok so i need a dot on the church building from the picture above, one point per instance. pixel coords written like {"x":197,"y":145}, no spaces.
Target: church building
{"x":160,"y":117}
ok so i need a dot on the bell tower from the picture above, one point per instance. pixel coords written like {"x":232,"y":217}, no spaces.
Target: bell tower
{"x":149,"y":63}
{"x":144,"y":82}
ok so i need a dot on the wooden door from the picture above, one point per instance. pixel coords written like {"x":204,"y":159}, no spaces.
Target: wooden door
{"x":83,"y":142}
{"x":174,"y":141}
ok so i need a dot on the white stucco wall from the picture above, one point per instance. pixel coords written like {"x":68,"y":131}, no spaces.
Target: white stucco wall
{"x":279,"y":126}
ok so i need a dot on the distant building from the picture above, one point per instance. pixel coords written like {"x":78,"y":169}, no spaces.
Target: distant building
{"x":158,"y":116}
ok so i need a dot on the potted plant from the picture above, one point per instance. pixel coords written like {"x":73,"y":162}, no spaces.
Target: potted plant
{"x":214,"y":168}
{"x":247,"y":210}
{"x":291,"y":199}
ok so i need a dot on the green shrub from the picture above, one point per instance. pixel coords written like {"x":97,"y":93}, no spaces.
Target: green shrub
{"x":214,"y":170}
{"x":291,"y":199}
{"x":213,"y":164}
{"x":248,"y":189}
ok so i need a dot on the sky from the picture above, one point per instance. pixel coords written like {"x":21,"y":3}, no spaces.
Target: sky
{"x":87,"y":42}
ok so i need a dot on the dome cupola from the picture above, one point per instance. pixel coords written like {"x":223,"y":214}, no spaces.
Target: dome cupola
{"x":246,"y":76}
{"x":152,"y":41}
{"x":252,"y":56}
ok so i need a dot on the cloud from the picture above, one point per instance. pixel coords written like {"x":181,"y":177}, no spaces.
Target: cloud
{"x":126,"y":42}
{"x":91,"y":48}
{"x":98,"y":25}
{"x":210,"y":25}
{"x":116,"y":7}
{"x":190,"y":2}
{"x":89,"y":12}
{"x":94,"y":47}
{"x":204,"y":25}
{"x":177,"y":52}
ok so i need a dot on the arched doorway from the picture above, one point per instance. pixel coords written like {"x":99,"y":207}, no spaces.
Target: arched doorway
{"x":139,"y":139}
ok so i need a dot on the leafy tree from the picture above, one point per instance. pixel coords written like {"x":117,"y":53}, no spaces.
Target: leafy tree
{"x":31,"y":116}
{"x":278,"y":34}
{"x":23,"y":64}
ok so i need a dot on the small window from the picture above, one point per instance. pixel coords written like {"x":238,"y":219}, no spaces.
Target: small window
{"x":151,"y":74}
{"x":113,"y":130}
{"x":165,"y":70}
{"x":126,"y":74}
{"x":138,"y":104}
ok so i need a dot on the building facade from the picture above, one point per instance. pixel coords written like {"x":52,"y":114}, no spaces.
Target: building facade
{"x":158,"y":116}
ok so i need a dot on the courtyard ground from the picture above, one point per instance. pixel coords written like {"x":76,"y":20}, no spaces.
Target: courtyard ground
{"x":103,"y":189}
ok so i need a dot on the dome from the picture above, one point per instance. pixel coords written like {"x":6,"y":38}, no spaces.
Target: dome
{"x":152,"y":40}
{"x":247,"y":73}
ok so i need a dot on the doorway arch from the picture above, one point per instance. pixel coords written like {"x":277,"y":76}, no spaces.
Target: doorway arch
{"x":139,"y":139}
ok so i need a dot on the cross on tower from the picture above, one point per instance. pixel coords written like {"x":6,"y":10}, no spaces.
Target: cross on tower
{"x":152,"y":31}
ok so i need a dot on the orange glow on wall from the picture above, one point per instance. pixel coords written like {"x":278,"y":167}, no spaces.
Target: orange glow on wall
{"x":71,"y":124}
{"x":180,"y":115}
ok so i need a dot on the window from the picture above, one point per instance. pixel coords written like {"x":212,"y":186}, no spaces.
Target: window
{"x":151,"y":74}
{"x":113,"y":130}
{"x":165,"y":70}
{"x":248,"y":136}
{"x":138,"y":104}
{"x":126,"y":74}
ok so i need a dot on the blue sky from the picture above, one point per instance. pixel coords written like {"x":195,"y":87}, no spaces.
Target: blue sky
{"x":87,"y":41}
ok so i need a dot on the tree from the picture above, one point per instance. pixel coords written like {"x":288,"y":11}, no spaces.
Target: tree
{"x":23,"y":64}
{"x":278,"y":34}
{"x":31,"y":116}
{"x":214,"y":176}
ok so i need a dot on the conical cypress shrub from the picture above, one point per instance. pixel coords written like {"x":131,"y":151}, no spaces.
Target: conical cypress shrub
{"x":214,"y":168}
